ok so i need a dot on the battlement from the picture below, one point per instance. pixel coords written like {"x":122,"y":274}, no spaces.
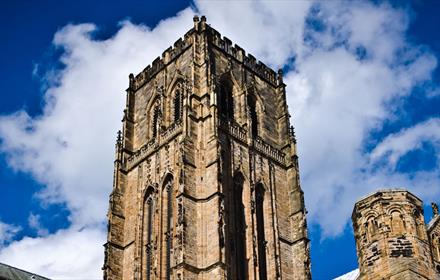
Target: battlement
{"x":248,"y":60}
{"x":222,"y":43}
{"x":180,"y":46}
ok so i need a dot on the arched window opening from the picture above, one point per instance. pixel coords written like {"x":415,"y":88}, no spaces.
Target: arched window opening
{"x":240,"y":227}
{"x":149,"y":226}
{"x":252,"y":104}
{"x":225,"y":101}
{"x":397,"y":225}
{"x":259,"y":201}
{"x":372,"y":227}
{"x":177,"y":106}
{"x":154,"y":122}
{"x":168,"y":232}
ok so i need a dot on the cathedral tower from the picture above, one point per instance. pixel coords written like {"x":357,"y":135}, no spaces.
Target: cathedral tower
{"x":391,"y":237}
{"x":206,"y":182}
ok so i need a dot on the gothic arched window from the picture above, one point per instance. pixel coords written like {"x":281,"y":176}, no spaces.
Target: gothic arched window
{"x":397,"y":224}
{"x":167,"y":217}
{"x":372,"y":227}
{"x":154,"y":121}
{"x":259,"y":205}
{"x":225,"y":101}
{"x":252,"y":104}
{"x":177,"y":103}
{"x":149,"y":233}
{"x":240,"y":227}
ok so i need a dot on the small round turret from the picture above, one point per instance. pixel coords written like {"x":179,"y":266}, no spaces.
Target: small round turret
{"x":391,"y":238}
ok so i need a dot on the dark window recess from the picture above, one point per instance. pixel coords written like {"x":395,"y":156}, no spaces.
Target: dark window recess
{"x":240,"y":228}
{"x":225,"y":102}
{"x":168,"y":233}
{"x":252,"y":104}
{"x":149,"y":235}
{"x":155,"y":121}
{"x":177,"y":106}
{"x":259,"y":200}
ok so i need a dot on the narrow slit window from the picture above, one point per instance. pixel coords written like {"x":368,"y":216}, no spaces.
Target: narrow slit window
{"x":225,"y":101}
{"x":252,"y":104}
{"x":154,"y":122}
{"x":177,"y":106}
{"x":240,"y":228}
{"x":259,"y":200}
{"x":149,"y":235}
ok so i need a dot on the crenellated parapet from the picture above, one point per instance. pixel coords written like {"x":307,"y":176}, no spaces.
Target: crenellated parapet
{"x":168,"y":56}
{"x":219,"y":41}
{"x":248,"y":60}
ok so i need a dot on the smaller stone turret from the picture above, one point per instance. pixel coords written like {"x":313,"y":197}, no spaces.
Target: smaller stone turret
{"x":391,"y":237}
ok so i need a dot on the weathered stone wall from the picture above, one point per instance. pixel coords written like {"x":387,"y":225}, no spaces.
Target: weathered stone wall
{"x":179,"y":174}
{"x":434,"y":237}
{"x":391,"y":237}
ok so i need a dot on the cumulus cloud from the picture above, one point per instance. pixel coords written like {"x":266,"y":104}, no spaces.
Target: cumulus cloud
{"x":69,"y":148}
{"x":339,"y":94}
{"x":352,"y":64}
{"x":67,"y":254}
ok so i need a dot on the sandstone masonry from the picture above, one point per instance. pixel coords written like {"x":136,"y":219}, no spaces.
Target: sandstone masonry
{"x":392,"y":240}
{"x":206,"y":181}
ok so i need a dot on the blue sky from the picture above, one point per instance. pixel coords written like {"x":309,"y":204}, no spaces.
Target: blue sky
{"x":362,"y":81}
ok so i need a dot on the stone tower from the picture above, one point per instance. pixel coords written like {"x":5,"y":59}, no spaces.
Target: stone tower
{"x":206,"y":182}
{"x":391,"y":237}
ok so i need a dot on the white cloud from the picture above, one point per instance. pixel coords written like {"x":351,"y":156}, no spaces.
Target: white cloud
{"x":70,"y":147}
{"x":67,"y":254}
{"x":394,"y":146}
{"x":270,"y":30}
{"x":7,"y":233}
{"x":349,"y":77}
{"x":35,"y":224}
{"x":337,"y":98}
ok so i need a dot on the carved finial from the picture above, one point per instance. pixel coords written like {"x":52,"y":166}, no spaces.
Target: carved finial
{"x":292,"y":133}
{"x":203,"y":18}
{"x":434,"y":208}
{"x":196,"y":18}
{"x":119,"y":139}
{"x":280,"y":73}
{"x":280,"y":76}
{"x":131,"y":80}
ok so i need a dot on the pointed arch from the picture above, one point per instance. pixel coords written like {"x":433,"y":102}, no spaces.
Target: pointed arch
{"x":177,"y":105}
{"x":397,"y":222}
{"x":225,"y":100}
{"x":167,"y":222}
{"x":155,"y":122}
{"x":252,"y":109}
{"x":261,"y":106}
{"x":239,"y":236}
{"x":175,"y":93}
{"x":261,"y":239}
{"x":148,"y":226}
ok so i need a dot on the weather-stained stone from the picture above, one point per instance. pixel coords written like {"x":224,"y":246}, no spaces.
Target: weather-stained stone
{"x":206,"y":180}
